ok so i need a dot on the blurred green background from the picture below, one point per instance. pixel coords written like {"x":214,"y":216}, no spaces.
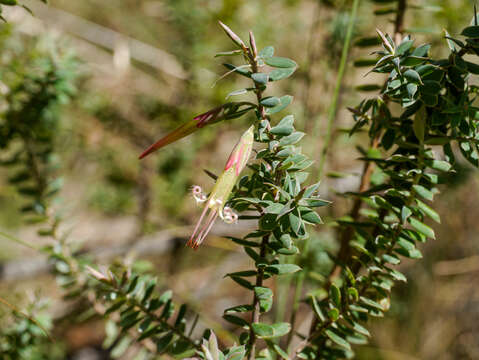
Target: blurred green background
{"x":146,"y":66}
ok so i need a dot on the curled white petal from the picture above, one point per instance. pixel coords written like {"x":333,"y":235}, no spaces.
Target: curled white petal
{"x":229,"y":216}
{"x":198,"y":194}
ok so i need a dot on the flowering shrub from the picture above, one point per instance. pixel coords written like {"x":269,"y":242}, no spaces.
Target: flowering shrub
{"x":424,"y":116}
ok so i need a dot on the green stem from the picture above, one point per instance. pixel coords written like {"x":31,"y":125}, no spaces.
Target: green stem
{"x":18,"y":241}
{"x":333,"y":109}
{"x":331,"y":116}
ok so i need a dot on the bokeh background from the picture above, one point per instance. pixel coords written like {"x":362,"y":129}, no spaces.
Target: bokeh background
{"x":146,"y":66}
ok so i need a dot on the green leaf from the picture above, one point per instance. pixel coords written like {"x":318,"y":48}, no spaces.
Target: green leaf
{"x":405,"y":213}
{"x":472,"y":68}
{"x":412,"y":76}
{"x":404,"y":47}
{"x":239,"y":308}
{"x":423,"y":192}
{"x":237,"y":92}
{"x":240,"y":70}
{"x":285,"y":126}
{"x":422,"y":228}
{"x":280,"y":62}
{"x":421,"y":51}
{"x":439,"y":165}
{"x":335,"y":295}
{"x":428,"y":211}
{"x":430,"y":87}
{"x":419,"y":123}
{"x":338,"y":340}
{"x":371,"y":303}
{"x":282,"y":269}
{"x":333,"y":314}
{"x":236,"y":353}
{"x":268,"y":51}
{"x":261,"y":78}
{"x":316,"y":308}
{"x":368,"y":87}
{"x":280,"y":74}
{"x":291,"y":139}
{"x":235,"y":320}
{"x":245,"y":273}
{"x":270,"y":101}
{"x":285,"y":101}
{"x":311,"y":217}
{"x":265,"y":331}
{"x":471,"y":32}
{"x":229,"y":53}
{"x":265,"y":297}
{"x":280,"y":352}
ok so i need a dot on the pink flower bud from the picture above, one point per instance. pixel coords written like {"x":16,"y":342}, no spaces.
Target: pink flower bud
{"x":241,"y":152}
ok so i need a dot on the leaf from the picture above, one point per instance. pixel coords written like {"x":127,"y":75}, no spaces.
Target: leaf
{"x":239,"y":308}
{"x":404,"y":47}
{"x":368,"y":87}
{"x":261,"y":78}
{"x":265,"y":297}
{"x":338,"y":340}
{"x":471,"y":32}
{"x":280,"y":74}
{"x":421,"y":51}
{"x":472,"y":68}
{"x":311,"y":217}
{"x":237,"y":92}
{"x":333,"y":314}
{"x":268,"y":51}
{"x":412,"y":76}
{"x":285,"y":126}
{"x":285,"y":101}
{"x":439,"y":165}
{"x":280,"y":352}
{"x":245,"y":273}
{"x":428,"y":211}
{"x":422,"y":228}
{"x":371,"y":303}
{"x":229,"y":53}
{"x":235,"y":320}
{"x":265,"y":331}
{"x":280,"y":62}
{"x":239,"y":69}
{"x":236,"y":353}
{"x":419,"y":124}
{"x":364,"y":62}
{"x":423,"y":192}
{"x":405,"y":213}
{"x":270,"y":101}
{"x":335,"y":295}
{"x":282,"y":269}
{"x":292,"y":138}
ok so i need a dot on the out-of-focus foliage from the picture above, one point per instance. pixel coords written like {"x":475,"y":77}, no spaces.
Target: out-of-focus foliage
{"x":349,"y":263}
{"x":37,"y":79}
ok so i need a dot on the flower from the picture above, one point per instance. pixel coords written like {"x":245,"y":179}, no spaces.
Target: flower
{"x":216,"y":201}
{"x":186,"y":129}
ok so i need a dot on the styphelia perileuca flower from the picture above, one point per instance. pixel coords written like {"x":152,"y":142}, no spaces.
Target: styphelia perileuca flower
{"x":215,"y":203}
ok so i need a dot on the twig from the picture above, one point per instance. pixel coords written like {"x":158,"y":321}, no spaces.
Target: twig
{"x":14,"y":308}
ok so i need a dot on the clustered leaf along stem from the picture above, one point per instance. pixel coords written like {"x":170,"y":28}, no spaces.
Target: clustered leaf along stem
{"x":347,"y":233}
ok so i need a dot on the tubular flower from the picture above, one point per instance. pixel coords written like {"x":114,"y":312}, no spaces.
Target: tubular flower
{"x":216,"y":201}
{"x":226,"y":111}
{"x":186,"y":129}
